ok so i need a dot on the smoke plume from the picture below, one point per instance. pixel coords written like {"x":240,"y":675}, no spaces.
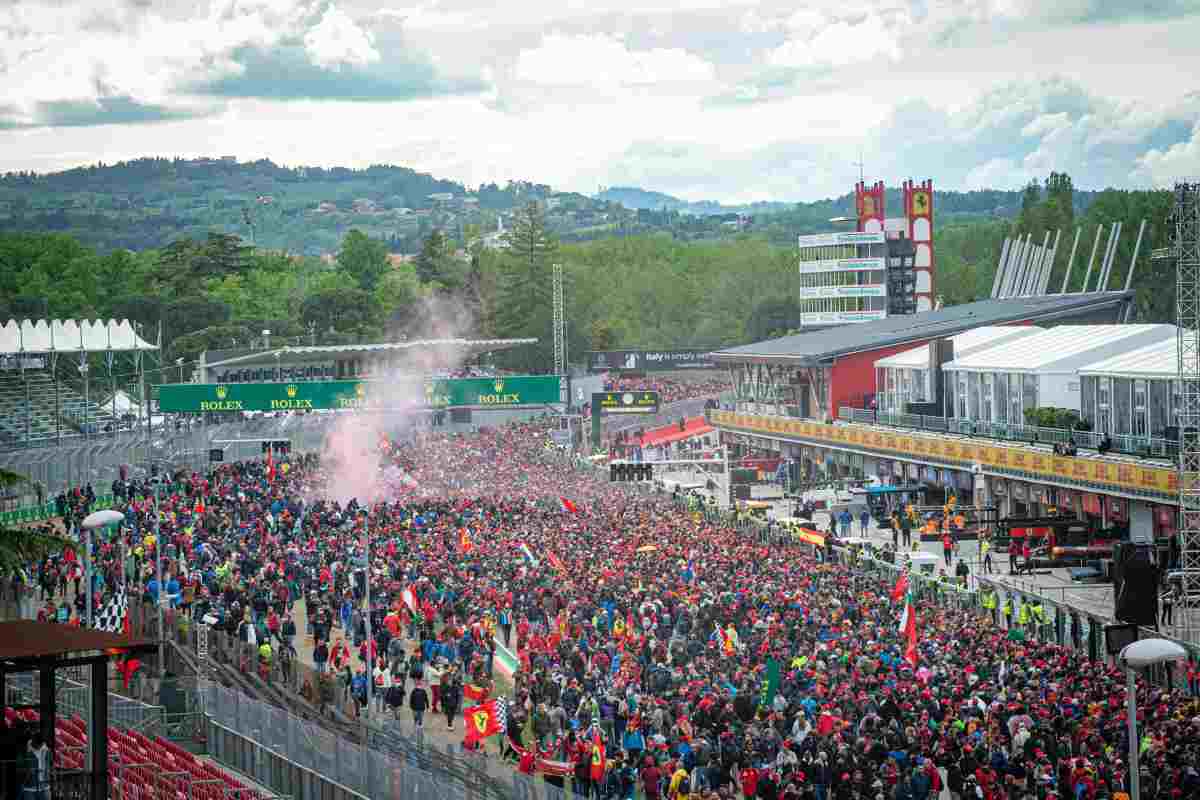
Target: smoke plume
{"x":397,"y":405}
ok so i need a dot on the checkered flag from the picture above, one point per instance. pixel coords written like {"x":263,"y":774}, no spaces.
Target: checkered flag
{"x":502,"y":715}
{"x":112,"y":617}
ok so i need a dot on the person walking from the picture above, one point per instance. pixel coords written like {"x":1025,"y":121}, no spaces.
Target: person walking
{"x":452,"y":697}
{"x":864,"y":521}
{"x":985,"y":550}
{"x":418,"y":701}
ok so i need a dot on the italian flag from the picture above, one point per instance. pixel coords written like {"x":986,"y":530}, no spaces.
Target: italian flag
{"x":908,"y":631}
{"x":410,"y":599}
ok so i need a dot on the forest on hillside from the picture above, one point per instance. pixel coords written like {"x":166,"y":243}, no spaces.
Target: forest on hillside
{"x":148,"y":203}
{"x":649,"y":290}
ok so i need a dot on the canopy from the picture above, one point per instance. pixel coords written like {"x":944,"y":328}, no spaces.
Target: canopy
{"x":70,"y":336}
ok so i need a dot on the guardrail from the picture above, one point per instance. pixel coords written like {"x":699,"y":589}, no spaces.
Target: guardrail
{"x":1140,"y":446}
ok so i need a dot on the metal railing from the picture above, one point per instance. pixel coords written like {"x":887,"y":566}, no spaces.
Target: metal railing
{"x":18,"y":779}
{"x":1140,"y":446}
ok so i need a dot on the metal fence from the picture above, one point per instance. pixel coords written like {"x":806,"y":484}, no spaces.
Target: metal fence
{"x":302,"y":759}
{"x":73,"y":699}
{"x":1144,"y":446}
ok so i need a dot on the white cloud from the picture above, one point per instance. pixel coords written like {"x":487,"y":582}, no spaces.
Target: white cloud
{"x":337,"y":39}
{"x":601,"y":60}
{"x":1179,"y":162}
{"x":836,"y":44}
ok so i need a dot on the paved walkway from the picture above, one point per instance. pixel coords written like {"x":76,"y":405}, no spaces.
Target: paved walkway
{"x":435,"y":731}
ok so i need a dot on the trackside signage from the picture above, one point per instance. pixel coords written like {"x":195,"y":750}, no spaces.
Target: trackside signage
{"x":505,"y":392}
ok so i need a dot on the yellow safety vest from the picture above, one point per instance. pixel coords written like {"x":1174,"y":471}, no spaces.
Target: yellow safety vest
{"x":988,"y":600}
{"x":1006,"y":609}
{"x":1023,"y":617}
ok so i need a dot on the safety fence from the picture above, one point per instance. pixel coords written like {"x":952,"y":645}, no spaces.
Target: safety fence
{"x":308,"y":762}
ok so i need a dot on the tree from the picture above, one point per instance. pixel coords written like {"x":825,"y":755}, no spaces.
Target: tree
{"x":190,"y":314}
{"x":601,"y":335}
{"x":349,"y":311}
{"x":435,"y":251}
{"x":364,"y":258}
{"x":524,"y":303}
{"x":19,"y":546}
{"x":1031,"y":197}
{"x":1060,"y":190}
{"x":398,"y":295}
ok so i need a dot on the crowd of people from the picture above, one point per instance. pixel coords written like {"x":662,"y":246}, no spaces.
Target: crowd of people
{"x":672,"y":390}
{"x":709,"y":664}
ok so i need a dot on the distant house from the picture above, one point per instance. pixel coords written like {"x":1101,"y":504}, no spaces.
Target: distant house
{"x":326,"y":207}
{"x":398,"y":259}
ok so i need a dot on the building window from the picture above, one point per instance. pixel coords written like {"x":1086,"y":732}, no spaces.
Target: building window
{"x":1029,"y":393}
{"x":985,"y":397}
{"x":1158,"y":408}
{"x":1140,"y":425}
{"x":1122,"y":411}
{"x":1002,"y":398}
{"x":1087,"y":398}
{"x":973,"y":389}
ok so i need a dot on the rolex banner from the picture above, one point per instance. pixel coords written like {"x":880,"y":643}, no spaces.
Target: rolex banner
{"x":504,"y":392}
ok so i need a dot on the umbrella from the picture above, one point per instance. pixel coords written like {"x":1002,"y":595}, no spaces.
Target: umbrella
{"x":99,"y":519}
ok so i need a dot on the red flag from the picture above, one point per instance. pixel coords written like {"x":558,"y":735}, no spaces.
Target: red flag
{"x":556,"y":562}
{"x":598,"y":756}
{"x":482,"y":721}
{"x":476,"y":693}
{"x":568,"y":506}
{"x":127,"y":667}
{"x":199,"y":509}
{"x":901,"y":587}
{"x":270,"y":468}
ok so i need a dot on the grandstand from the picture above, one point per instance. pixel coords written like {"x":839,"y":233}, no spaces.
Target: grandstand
{"x":52,"y":373}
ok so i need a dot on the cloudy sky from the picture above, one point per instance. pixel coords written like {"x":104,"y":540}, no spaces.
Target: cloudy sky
{"x":733,"y":100}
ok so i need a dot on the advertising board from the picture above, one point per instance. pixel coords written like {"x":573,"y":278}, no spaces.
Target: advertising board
{"x":648,"y":360}
{"x":501,"y":392}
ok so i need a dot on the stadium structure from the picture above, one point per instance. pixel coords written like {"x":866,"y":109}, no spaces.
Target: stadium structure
{"x":67,"y":379}
{"x":346,"y":362}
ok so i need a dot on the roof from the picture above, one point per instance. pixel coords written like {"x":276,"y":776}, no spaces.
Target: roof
{"x":696,"y":426}
{"x":1158,"y":360}
{"x":817,"y":347}
{"x":26,"y":639}
{"x":220,"y":358}
{"x":70,"y":336}
{"x":1067,"y":348}
{"x":964,"y":343}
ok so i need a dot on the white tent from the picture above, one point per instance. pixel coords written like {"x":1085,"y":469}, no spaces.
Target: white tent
{"x":70,"y":336}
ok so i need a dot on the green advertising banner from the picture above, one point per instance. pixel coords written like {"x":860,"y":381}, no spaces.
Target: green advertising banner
{"x":505,"y":392}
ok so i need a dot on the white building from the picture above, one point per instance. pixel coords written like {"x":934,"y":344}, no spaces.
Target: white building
{"x":843,"y":277}
{"x":1135,"y":393}
{"x":913,"y":375}
{"x":997,"y":384}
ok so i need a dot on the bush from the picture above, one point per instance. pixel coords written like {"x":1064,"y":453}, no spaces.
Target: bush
{"x":1050,"y":417}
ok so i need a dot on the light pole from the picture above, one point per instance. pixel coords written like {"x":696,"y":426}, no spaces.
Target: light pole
{"x":1137,"y":656}
{"x":96,"y":519}
{"x":158,"y":600}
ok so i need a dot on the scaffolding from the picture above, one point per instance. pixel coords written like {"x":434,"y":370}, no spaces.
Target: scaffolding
{"x":1184,"y":248}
